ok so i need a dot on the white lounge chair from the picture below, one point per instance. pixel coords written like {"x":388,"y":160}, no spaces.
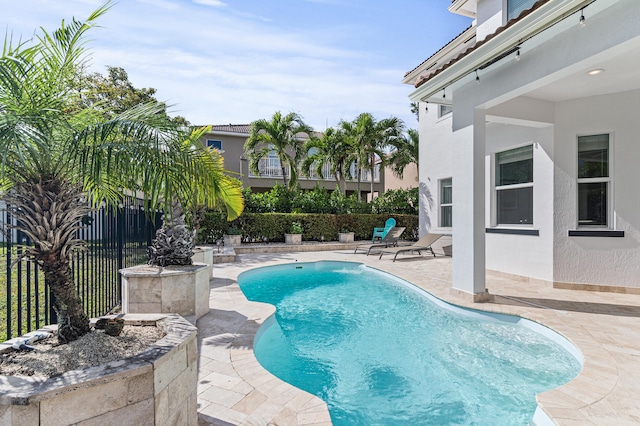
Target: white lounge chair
{"x":389,"y":240}
{"x":423,"y":244}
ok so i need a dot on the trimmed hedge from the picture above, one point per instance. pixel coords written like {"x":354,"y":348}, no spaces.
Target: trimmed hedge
{"x":271,"y":227}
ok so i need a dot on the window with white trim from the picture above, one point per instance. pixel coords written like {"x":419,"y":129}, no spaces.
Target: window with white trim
{"x":516,"y":7}
{"x":444,"y":110}
{"x":594,"y":181}
{"x":214,"y":144}
{"x":514,"y":186}
{"x":446,"y":203}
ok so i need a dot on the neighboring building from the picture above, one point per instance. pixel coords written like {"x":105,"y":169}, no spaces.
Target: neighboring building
{"x":409,"y":178}
{"x":530,"y":122}
{"x":230,"y":139}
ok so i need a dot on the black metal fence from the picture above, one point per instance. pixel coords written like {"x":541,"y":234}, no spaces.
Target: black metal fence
{"x":116,"y":239}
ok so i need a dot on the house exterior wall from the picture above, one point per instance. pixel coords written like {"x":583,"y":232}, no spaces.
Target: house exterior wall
{"x":236,"y":162}
{"x":489,"y":17}
{"x":409,"y":178}
{"x":435,"y":164}
{"x":551,"y":126}
{"x":527,"y":255}
{"x":598,"y":260}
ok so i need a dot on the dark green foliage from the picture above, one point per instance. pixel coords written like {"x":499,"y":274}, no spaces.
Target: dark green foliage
{"x":280,"y":200}
{"x":271,"y":227}
{"x":396,"y":201}
{"x":322,"y":214}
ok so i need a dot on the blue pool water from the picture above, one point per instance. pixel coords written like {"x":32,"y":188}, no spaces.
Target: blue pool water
{"x":380,"y":351}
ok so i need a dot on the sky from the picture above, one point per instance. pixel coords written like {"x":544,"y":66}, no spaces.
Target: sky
{"x":236,"y":61}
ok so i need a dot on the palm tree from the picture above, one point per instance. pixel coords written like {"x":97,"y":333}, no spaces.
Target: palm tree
{"x":406,"y":152}
{"x":370,"y":138}
{"x":331,"y":148}
{"x":282,"y":134}
{"x":59,"y":161}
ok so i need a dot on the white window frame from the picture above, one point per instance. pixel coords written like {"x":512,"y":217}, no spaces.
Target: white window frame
{"x":211,"y":145}
{"x":608,"y":179}
{"x":441,"y":185}
{"x":506,"y":9}
{"x":497,"y":188}
{"x":442,"y":112}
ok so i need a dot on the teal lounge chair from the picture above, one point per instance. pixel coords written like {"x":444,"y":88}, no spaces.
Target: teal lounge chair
{"x":379,"y":233}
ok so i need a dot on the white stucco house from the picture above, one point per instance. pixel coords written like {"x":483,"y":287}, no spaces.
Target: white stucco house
{"x":530,"y":143}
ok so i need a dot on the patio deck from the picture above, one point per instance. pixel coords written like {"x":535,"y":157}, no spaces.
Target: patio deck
{"x":233,"y":389}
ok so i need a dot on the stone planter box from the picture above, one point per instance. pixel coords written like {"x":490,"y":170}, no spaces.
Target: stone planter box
{"x":232,"y":240}
{"x":295,"y":239}
{"x":181,"y":290}
{"x":155,"y":387}
{"x":203,"y":254}
{"x":346,"y":237}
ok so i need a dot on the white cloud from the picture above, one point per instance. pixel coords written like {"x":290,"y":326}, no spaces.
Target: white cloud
{"x":223,"y":64}
{"x":213,"y":3}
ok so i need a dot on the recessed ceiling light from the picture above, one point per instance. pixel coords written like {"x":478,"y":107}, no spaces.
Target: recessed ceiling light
{"x":596,"y":71}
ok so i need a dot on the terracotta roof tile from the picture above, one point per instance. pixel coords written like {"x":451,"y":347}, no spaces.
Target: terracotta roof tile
{"x":231,"y":128}
{"x":501,"y":29}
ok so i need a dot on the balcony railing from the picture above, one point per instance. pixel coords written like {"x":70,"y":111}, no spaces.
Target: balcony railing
{"x":270,"y":168}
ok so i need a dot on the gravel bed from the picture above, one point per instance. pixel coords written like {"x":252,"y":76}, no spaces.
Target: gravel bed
{"x":49,"y":358}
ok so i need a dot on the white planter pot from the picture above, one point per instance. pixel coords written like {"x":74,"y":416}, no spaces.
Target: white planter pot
{"x":293,"y":239}
{"x":232,"y":240}
{"x":346,"y":237}
{"x":181,"y":290}
{"x":138,"y":390}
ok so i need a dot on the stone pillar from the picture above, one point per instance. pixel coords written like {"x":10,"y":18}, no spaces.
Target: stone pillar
{"x":469,"y":209}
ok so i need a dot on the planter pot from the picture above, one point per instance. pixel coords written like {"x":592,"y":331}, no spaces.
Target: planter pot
{"x":203,"y":254}
{"x":157,"y":386}
{"x":181,"y":290}
{"x":232,"y":240}
{"x":346,"y":237}
{"x":448,"y":250}
{"x":293,"y":239}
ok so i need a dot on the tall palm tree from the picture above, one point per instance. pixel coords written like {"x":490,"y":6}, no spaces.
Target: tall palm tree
{"x":283,"y":134}
{"x":406,"y":151}
{"x":370,"y":138}
{"x":331,"y":148}
{"x":59,"y":161}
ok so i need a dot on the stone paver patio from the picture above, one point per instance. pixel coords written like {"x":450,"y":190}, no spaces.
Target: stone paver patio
{"x":233,"y":389}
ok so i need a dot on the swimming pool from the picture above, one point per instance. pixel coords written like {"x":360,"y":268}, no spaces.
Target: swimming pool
{"x":380,"y":351}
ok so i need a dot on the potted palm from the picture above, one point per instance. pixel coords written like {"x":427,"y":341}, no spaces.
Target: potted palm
{"x":62,"y":157}
{"x":295,"y":234}
{"x":81,"y":156}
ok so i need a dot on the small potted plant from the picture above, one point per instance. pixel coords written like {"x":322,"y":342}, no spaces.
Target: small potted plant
{"x":233,"y":237}
{"x":345,"y":236}
{"x":295,"y":235}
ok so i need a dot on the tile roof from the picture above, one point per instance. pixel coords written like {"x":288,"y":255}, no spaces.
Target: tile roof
{"x":231,"y":128}
{"x":423,"y":79}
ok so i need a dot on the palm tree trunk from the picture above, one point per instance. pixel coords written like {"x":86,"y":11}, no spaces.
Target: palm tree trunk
{"x":284,"y":177}
{"x":50,"y":214}
{"x":73,"y":322}
{"x":371,"y":177}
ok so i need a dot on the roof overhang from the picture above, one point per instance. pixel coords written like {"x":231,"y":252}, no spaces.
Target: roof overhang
{"x":464,"y":7}
{"x":529,"y":26}
{"x":442,"y":56}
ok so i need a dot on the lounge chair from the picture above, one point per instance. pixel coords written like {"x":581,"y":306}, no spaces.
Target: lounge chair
{"x":381,"y":232}
{"x":389,"y":240}
{"x":423,"y":244}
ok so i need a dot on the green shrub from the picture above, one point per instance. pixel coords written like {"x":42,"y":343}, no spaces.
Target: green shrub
{"x":271,"y":227}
